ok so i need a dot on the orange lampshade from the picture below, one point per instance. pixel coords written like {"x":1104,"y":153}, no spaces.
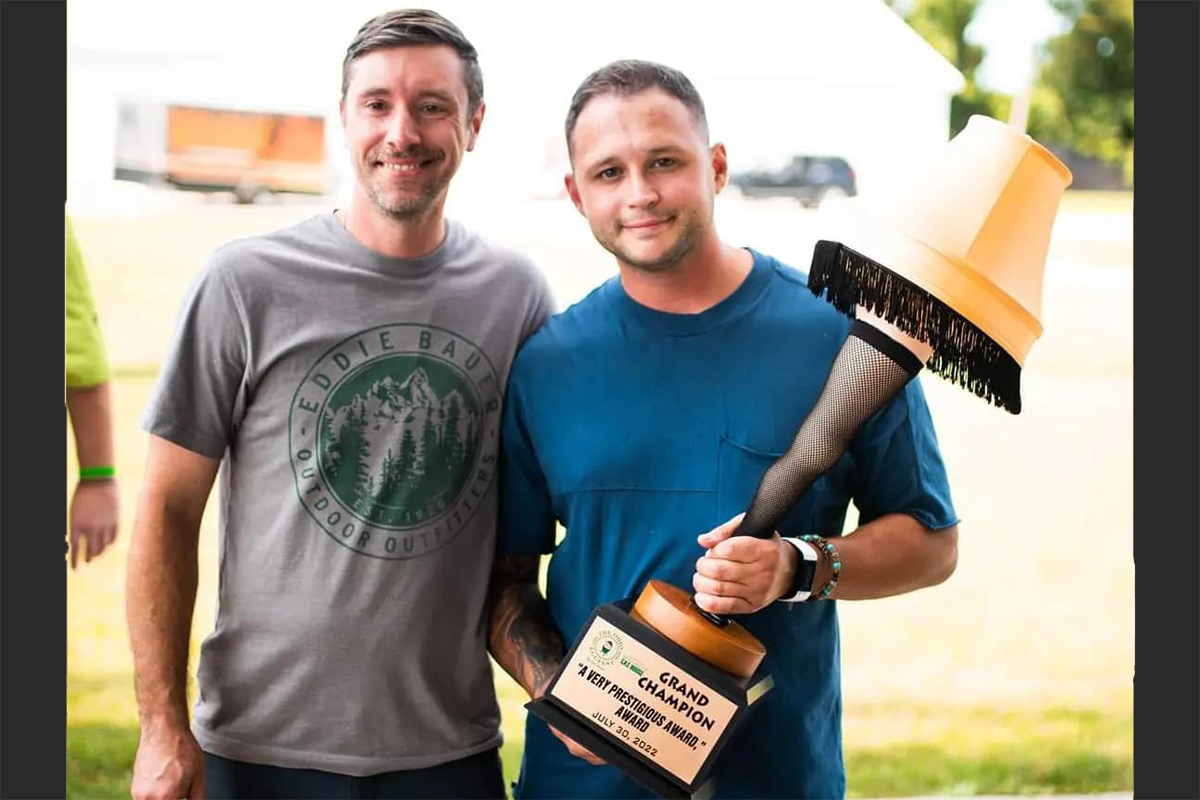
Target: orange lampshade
{"x":957,"y":259}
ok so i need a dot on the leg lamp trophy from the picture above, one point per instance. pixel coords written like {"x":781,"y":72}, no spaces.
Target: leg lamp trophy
{"x":950,"y":278}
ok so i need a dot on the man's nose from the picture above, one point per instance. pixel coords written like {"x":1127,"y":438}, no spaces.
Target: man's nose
{"x":402,"y":130}
{"x":642,"y":192}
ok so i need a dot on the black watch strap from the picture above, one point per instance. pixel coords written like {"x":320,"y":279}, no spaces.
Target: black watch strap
{"x":806,"y":570}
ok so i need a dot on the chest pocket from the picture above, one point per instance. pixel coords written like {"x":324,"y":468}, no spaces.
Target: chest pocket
{"x":821,"y":509}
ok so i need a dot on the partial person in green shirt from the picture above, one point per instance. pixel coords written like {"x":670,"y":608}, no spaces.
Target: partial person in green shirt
{"x":93,"y":511}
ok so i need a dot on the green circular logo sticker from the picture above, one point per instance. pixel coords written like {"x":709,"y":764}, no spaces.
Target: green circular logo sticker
{"x":393,"y":436}
{"x":605,"y":647}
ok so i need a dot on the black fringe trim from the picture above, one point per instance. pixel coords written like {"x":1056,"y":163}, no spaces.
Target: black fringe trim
{"x":962,"y":353}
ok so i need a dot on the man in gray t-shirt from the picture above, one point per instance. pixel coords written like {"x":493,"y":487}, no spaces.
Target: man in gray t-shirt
{"x":345,"y":376}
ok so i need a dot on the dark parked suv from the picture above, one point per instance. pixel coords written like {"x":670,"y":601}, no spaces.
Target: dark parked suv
{"x":809,"y":179}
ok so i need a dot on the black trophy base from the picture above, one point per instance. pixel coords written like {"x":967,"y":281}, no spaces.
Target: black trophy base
{"x":612,"y":753}
{"x":578,"y":723}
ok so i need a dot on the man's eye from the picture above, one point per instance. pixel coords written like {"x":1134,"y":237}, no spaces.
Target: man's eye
{"x":608,"y":174}
{"x":664,"y":162}
{"x":432,"y":108}
{"x":376,"y":105}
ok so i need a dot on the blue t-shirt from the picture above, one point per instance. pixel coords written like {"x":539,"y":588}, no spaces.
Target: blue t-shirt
{"x":639,"y":430}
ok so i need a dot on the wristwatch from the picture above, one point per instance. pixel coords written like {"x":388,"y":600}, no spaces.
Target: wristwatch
{"x":806,"y":570}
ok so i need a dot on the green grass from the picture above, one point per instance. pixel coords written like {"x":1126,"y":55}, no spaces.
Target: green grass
{"x":990,"y":751}
{"x":99,"y":759}
{"x":892,"y":749}
{"x":985,"y":751}
{"x":1036,"y":768}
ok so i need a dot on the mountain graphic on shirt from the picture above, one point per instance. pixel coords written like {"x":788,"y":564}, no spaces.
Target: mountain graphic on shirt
{"x":400,"y":439}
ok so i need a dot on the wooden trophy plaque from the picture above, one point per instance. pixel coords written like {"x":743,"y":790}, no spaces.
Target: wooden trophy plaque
{"x":655,"y":689}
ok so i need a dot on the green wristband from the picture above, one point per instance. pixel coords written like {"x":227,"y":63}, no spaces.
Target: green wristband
{"x":97,"y":473}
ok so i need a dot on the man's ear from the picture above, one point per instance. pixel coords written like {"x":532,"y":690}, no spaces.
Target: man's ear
{"x":720,"y":165}
{"x":573,"y":191}
{"x":474,"y":124}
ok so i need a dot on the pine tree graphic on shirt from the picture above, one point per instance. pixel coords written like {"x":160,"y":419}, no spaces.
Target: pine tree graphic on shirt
{"x":399,"y":435}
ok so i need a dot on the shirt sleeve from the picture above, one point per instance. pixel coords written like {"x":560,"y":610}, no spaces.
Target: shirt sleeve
{"x":85,"y":362}
{"x":543,"y":305}
{"x":546,"y":307}
{"x":195,"y":400}
{"x":527,"y":519}
{"x":899,"y":465}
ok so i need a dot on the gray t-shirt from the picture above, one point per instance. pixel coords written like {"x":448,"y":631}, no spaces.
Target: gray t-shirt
{"x":355,"y":401}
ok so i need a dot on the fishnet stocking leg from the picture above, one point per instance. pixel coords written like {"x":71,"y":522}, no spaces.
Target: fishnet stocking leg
{"x":869,"y":370}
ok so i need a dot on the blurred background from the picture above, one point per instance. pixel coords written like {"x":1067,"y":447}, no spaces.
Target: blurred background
{"x":187,"y":128}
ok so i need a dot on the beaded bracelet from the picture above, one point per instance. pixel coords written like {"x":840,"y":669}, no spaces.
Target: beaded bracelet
{"x":97,"y":473}
{"x":827,"y":550}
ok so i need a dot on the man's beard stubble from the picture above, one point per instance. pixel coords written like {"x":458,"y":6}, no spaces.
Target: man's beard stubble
{"x":684,"y":244}
{"x":410,"y":205}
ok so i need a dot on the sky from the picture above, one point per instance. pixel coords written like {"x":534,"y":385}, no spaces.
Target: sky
{"x":1008,"y":29}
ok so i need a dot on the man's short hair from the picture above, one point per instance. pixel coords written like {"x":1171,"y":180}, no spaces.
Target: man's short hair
{"x":629,"y":77}
{"x":408,"y":27}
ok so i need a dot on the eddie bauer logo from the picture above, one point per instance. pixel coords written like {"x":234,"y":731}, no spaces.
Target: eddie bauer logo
{"x":392,"y":436}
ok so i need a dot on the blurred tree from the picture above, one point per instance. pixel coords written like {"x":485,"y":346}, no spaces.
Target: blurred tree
{"x":1084,"y":92}
{"x":1082,"y":98}
{"x":943,"y":23}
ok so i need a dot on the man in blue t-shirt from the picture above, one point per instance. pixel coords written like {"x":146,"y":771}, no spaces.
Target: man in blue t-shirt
{"x":647,"y":413}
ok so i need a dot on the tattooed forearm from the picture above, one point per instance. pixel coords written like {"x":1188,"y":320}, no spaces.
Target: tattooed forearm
{"x":521,"y":636}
